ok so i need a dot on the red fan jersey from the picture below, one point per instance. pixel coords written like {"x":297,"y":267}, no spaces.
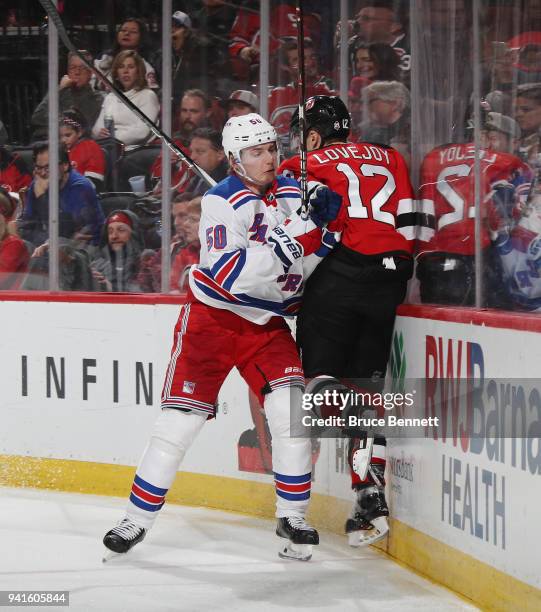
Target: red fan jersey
{"x":180,"y":266}
{"x":377,"y":213}
{"x":284,"y":101}
{"x":447,"y":195}
{"x":180,"y":173}
{"x":88,"y":159}
{"x":283,"y":24}
{"x":13,"y":173}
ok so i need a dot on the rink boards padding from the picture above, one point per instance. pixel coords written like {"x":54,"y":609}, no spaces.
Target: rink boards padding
{"x":82,"y":377}
{"x":231,"y":494}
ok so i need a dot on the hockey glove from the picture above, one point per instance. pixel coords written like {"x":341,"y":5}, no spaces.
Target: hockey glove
{"x":503,"y":209}
{"x":324,"y":205}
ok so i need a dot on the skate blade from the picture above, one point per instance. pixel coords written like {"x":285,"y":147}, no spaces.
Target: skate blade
{"x":298,"y":552}
{"x":365,"y":537}
{"x":109,"y":555}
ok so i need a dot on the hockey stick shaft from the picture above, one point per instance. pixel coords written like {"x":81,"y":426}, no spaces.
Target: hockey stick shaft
{"x":301,"y":87}
{"x":55,"y":18}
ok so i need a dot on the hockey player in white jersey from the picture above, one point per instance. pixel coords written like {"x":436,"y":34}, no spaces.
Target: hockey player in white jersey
{"x":519,"y":245}
{"x":255,"y":249}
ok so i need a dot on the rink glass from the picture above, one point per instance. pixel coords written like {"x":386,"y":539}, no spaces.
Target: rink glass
{"x":453,"y":55}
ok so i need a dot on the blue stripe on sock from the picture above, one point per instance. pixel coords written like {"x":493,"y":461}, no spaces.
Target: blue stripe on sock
{"x":148,"y":487}
{"x":293,"y":479}
{"x":293,"y":496}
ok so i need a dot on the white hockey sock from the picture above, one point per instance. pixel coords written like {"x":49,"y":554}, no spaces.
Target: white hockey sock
{"x":173,"y":434}
{"x":291,"y":457}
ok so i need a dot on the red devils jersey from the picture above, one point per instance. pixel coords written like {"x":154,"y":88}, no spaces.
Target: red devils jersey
{"x":88,"y":158}
{"x":180,"y":173}
{"x":13,"y":173}
{"x":181,"y":265}
{"x":377,"y":213}
{"x":284,"y":101}
{"x":283,"y":24}
{"x":447,"y":195}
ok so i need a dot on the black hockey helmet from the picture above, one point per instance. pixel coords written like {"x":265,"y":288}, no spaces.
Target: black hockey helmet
{"x":327,"y":115}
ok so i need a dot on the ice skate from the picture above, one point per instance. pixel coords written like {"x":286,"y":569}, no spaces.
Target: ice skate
{"x":368,"y":522}
{"x":122,"y":538}
{"x":301,"y":538}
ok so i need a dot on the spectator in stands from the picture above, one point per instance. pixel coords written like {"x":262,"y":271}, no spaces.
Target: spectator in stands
{"x":80,"y":213}
{"x":150,"y":271}
{"x":529,"y":64}
{"x":75,"y":91}
{"x":14,"y":174}
{"x":186,"y":54}
{"x":213,"y":23}
{"x":194,"y":111}
{"x":241,"y":102}
{"x":371,"y":62}
{"x":187,"y":256}
{"x":528,"y":116}
{"x":500,"y":80}
{"x":188,"y":65}
{"x":500,"y":133}
{"x":387,"y":115}
{"x":115,"y":264}
{"x":378,"y":21}
{"x":14,"y":255}
{"x":375,"y":62}
{"x":207,"y":152}
{"x":131,"y":36}
{"x":244,"y":34}
{"x":283,"y":101}
{"x":289,"y":64}
{"x":179,"y":210}
{"x":128,"y":72}
{"x":86,"y":156}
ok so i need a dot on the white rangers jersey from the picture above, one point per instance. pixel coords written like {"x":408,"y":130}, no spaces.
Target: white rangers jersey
{"x":520,"y":254}
{"x":256,"y":251}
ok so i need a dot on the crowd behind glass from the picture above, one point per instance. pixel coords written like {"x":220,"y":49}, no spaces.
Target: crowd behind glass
{"x":410,"y":85}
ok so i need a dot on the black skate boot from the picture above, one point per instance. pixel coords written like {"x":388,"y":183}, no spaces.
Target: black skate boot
{"x":301,"y":538}
{"x":368,"y":521}
{"x":124,"y":536}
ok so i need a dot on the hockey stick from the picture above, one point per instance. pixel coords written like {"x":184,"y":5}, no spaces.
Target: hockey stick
{"x":55,"y":18}
{"x":301,"y":88}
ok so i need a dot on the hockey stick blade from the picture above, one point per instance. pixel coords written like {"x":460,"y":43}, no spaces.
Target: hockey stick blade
{"x":55,"y":18}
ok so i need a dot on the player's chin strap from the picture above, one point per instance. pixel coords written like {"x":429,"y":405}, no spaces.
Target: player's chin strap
{"x":55,"y":18}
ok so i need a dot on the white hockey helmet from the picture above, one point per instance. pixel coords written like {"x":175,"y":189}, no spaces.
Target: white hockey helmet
{"x":246,"y":131}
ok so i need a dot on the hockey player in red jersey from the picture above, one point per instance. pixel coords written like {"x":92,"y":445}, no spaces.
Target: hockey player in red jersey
{"x":446,"y":266}
{"x":346,"y":320}
{"x":254,"y":252}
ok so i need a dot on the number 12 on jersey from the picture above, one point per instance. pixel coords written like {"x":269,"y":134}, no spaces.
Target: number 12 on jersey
{"x":357,"y":208}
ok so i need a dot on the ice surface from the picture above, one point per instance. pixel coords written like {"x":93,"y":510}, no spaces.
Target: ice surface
{"x":193,"y":559}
